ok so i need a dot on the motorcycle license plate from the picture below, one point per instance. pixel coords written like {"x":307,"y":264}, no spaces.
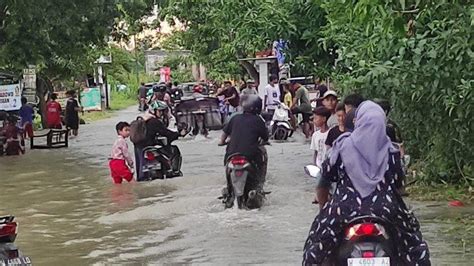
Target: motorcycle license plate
{"x":15,"y":261}
{"x":368,"y":261}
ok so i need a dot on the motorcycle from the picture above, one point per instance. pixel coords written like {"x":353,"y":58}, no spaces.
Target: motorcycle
{"x":176,"y":95}
{"x":367,"y":240}
{"x":161,"y":161}
{"x":280,"y":126}
{"x":9,"y":252}
{"x":243,"y":187}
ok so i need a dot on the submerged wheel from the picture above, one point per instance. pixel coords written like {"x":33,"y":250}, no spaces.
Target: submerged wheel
{"x":281,"y":134}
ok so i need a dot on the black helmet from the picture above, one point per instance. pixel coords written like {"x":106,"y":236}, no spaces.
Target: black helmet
{"x":161,"y":87}
{"x":385,"y":104}
{"x":252,"y":104}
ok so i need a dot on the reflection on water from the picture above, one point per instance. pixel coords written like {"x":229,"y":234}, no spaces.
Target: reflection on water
{"x":69,"y":210}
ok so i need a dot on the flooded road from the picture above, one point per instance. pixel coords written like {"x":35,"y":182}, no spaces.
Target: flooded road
{"x":70,"y":212}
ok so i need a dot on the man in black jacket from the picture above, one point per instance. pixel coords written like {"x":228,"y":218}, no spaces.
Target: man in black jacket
{"x":155,"y":126}
{"x":245,"y":131}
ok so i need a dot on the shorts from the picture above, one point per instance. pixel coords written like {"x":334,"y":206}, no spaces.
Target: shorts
{"x":28,"y":130}
{"x":72,"y":123}
{"x":306,"y":116}
{"x":120,"y":171}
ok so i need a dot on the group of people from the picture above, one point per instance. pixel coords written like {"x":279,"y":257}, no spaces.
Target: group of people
{"x":18,"y":127}
{"x":365,"y":167}
{"x":166,"y":92}
{"x":357,"y":148}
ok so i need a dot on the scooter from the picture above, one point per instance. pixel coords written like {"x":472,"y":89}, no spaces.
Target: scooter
{"x":9,"y":252}
{"x":367,"y":240}
{"x":243,"y":188}
{"x":161,"y":161}
{"x":280,"y":126}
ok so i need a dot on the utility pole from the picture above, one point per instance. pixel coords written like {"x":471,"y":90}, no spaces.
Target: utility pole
{"x":136,"y":58}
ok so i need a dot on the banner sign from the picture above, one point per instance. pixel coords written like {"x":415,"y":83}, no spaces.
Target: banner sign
{"x":10,"y":97}
{"x":29,"y":78}
{"x":91,"y":99}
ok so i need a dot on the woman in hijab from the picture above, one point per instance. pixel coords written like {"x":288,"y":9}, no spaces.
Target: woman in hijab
{"x":363,"y":165}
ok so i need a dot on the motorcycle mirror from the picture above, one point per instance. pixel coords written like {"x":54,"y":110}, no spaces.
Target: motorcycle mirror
{"x":313,"y":170}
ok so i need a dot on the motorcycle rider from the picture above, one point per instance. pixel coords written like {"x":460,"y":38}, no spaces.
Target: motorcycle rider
{"x":155,"y":126}
{"x":245,"y":131}
{"x":363,"y":166}
{"x":197,"y":92}
{"x":161,"y":94}
{"x":176,"y":92}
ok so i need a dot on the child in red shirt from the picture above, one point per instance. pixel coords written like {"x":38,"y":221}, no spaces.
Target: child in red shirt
{"x":53,"y":113}
{"x":121,"y":163}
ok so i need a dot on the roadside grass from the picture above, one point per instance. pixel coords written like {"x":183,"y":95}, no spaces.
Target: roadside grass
{"x":118,"y":102}
{"x":440,"y":192}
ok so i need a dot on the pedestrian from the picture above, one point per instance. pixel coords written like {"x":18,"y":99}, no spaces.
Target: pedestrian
{"x":330,"y":102}
{"x":223,"y":108}
{"x":272,"y":95}
{"x":393,"y":130}
{"x":120,"y":161}
{"x":321,"y":89}
{"x":249,"y":89}
{"x":72,"y":113}
{"x":394,"y":134}
{"x":14,"y":143}
{"x":142,"y":97}
{"x":318,"y":140}
{"x":231,"y":97}
{"x":53,"y":113}
{"x":335,"y":132}
{"x":287,"y":96}
{"x":26,"y":114}
{"x":352,"y":101}
{"x":301,"y":105}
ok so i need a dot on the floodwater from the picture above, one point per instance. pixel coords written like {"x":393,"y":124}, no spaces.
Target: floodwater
{"x":70,"y":212}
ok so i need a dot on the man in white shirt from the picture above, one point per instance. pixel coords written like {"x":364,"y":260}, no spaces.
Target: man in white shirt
{"x":272,"y":94}
{"x":318,"y":141}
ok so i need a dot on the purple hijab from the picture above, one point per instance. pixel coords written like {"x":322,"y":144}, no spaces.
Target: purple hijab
{"x":365,"y":151}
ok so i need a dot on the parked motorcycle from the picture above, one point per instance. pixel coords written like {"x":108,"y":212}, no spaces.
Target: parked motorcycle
{"x":9,"y":252}
{"x":280,"y":126}
{"x":161,"y":161}
{"x":367,"y":240}
{"x":243,"y":187}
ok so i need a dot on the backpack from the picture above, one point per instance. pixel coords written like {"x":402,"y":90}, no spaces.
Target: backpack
{"x":138,"y":130}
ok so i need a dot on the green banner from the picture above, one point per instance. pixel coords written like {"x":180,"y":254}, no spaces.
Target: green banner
{"x":91,"y":99}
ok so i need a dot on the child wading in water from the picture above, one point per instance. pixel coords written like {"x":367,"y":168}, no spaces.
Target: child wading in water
{"x":121,"y":163}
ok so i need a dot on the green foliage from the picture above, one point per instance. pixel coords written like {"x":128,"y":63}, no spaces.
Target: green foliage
{"x":59,"y":35}
{"x":422,"y":60}
{"x":219,"y":32}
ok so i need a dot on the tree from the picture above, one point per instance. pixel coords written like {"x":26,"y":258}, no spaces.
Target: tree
{"x":61,"y":37}
{"x":220,"y":32}
{"x":419,"y":55}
